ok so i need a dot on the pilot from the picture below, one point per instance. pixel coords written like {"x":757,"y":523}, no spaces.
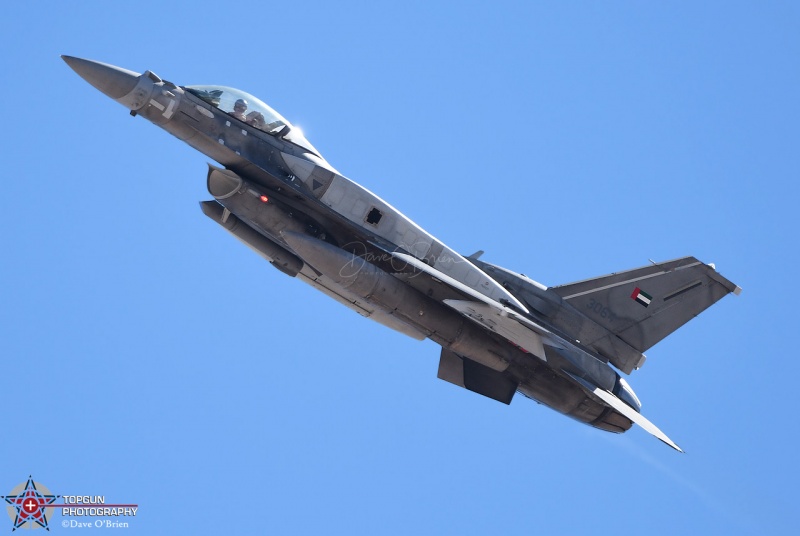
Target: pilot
{"x":255,"y":119}
{"x":239,"y":108}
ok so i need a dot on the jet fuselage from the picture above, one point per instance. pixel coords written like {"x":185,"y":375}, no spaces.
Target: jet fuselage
{"x":500,"y":332}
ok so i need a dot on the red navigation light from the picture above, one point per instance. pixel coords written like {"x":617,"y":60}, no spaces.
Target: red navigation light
{"x":264,"y":198}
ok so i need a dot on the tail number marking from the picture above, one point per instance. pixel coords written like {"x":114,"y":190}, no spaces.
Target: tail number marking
{"x":601,"y":309}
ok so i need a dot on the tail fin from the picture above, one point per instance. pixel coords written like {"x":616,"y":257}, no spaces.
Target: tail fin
{"x":642,"y":306}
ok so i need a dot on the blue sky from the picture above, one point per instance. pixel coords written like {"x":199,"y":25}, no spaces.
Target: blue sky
{"x":151,"y":358}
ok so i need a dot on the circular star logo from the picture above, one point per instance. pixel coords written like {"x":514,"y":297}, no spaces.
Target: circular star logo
{"x":28,"y":503}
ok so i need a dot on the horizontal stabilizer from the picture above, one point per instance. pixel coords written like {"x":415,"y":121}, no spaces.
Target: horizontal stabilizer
{"x":623,"y":408}
{"x":476,"y":377}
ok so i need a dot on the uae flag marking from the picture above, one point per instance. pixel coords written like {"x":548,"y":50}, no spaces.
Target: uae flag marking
{"x":642,"y":297}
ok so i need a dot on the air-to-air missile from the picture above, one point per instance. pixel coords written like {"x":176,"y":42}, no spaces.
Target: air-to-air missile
{"x":500,"y":332}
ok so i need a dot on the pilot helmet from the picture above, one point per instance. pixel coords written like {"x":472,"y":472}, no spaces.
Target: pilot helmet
{"x":240,"y":103}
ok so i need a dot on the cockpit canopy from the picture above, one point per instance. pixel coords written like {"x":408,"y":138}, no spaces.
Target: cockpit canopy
{"x":250,"y":110}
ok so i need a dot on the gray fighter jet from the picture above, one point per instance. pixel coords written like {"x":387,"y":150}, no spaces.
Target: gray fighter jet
{"x":500,"y":332}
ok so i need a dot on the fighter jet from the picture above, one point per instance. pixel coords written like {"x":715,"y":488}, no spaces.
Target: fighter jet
{"x":501,"y":332}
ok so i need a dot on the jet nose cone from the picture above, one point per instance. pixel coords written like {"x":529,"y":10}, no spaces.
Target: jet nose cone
{"x":113,"y":81}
